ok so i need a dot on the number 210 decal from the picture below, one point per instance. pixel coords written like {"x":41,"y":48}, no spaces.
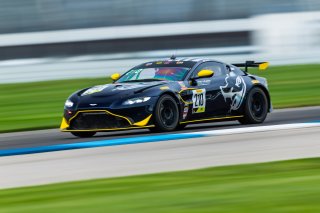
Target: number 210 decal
{"x":199,"y":100}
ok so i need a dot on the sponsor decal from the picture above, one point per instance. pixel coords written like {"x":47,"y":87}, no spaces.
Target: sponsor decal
{"x":127,"y":86}
{"x":94,"y":89}
{"x":179,"y":62}
{"x":167,"y":62}
{"x":185,"y":111}
{"x":255,"y":81}
{"x":204,"y":82}
{"x":197,"y":59}
{"x":234,"y":91}
{"x":159,"y":62}
{"x":148,"y":64}
{"x":164,"y":88}
{"x":213,"y":97}
{"x":199,"y":100}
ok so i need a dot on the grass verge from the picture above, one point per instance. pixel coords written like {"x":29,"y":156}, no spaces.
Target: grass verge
{"x":39,"y":105}
{"x":293,"y":86}
{"x":29,"y":106}
{"x":287,"y":186}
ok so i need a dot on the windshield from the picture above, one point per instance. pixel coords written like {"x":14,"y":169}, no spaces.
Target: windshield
{"x":155,"y":74}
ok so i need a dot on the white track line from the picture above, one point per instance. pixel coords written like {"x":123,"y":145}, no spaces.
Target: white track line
{"x":258,"y":129}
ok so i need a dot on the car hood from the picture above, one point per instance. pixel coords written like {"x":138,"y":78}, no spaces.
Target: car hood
{"x":113,"y":95}
{"x":119,"y":89}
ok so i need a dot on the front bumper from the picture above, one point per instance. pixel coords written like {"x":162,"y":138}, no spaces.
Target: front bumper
{"x":102,"y":120}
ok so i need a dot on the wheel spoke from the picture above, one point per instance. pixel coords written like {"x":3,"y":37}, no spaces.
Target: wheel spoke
{"x":167,"y":113}
{"x":257,"y":105}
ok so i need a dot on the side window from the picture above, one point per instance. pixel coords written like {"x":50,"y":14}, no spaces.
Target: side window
{"x":237,"y":71}
{"x":216,"y":67}
{"x":229,"y":69}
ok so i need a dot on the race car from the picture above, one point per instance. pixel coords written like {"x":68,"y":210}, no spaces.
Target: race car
{"x":167,"y":95}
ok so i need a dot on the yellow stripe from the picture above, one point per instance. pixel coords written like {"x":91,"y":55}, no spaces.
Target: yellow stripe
{"x":106,"y":111}
{"x":114,"y":129}
{"x":143,"y":122}
{"x":142,"y":127}
{"x":211,"y":119}
{"x":64,"y":124}
{"x":185,"y":102}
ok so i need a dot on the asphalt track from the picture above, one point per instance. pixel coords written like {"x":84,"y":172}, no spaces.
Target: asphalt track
{"x":164,"y":156}
{"x":113,"y":161}
{"x":54,"y":136}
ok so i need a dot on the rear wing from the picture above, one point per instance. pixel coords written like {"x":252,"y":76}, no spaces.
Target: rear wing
{"x":247,"y":64}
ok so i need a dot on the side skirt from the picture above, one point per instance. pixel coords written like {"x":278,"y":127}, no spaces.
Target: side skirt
{"x":213,"y":119}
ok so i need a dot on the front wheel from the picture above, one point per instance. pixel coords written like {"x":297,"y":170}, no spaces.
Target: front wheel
{"x":166,"y":114}
{"x":83,"y":134}
{"x":256,"y":107}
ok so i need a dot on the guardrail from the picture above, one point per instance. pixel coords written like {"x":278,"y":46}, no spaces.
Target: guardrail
{"x":279,"y":38}
{"x":123,"y":32}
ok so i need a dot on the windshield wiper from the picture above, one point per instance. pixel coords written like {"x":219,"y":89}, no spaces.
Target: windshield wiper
{"x":143,"y":80}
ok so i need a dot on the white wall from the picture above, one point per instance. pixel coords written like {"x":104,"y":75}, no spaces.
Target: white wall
{"x":288,"y":37}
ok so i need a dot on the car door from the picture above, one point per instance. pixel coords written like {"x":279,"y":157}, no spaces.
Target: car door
{"x":207,"y":99}
{"x":233,"y":89}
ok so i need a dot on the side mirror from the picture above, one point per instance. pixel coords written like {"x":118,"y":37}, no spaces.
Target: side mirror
{"x":201,"y":74}
{"x":115,"y":76}
{"x":205,"y":74}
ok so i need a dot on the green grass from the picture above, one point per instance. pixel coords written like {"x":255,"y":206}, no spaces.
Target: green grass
{"x":29,"y":106}
{"x":39,"y":105}
{"x":287,"y":186}
{"x":293,"y":86}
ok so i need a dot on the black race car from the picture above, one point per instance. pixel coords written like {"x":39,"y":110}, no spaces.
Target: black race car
{"x":167,"y":95}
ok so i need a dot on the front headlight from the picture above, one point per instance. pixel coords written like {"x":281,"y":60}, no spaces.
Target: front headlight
{"x":68,"y":103}
{"x":136,"y":100}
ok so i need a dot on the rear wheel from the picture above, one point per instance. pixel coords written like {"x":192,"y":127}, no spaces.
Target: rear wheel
{"x":256,"y":107}
{"x":166,"y":114}
{"x":83,"y":134}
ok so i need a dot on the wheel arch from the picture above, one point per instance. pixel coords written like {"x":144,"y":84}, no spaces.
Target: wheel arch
{"x":178,"y":105}
{"x":175,"y":97}
{"x":266,"y":91}
{"x":171,"y":93}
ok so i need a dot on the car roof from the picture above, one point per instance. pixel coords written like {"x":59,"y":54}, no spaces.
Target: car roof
{"x":181,"y":62}
{"x":186,"y":59}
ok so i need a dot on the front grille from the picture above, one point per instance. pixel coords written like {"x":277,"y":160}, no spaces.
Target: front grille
{"x":97,"y":120}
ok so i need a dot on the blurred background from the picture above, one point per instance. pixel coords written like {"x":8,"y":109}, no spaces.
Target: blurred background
{"x":52,"y":48}
{"x":61,"y":39}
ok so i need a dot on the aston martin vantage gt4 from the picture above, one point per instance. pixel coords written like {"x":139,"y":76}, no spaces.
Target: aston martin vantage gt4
{"x":167,"y":95}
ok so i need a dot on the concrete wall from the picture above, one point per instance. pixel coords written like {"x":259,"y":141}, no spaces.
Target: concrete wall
{"x":46,"y":15}
{"x":288,"y":36}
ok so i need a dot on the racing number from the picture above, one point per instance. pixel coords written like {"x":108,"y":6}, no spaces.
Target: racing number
{"x":199,"y":100}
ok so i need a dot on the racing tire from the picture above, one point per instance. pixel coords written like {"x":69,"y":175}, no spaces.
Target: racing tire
{"x":166,"y":114}
{"x":83,"y":134}
{"x":256,"y":107}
